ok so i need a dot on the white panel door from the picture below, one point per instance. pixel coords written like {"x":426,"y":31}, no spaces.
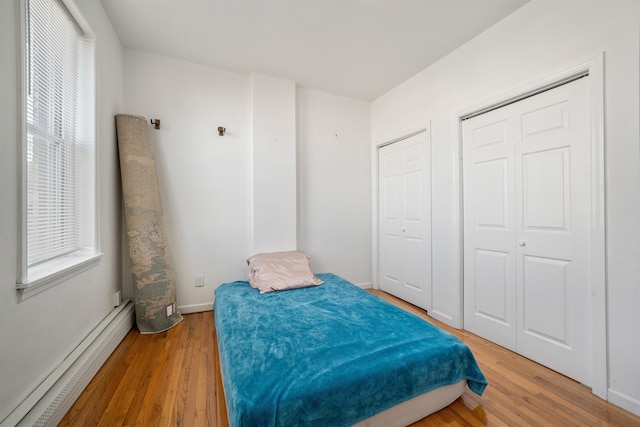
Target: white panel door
{"x":527,"y":238}
{"x":489,"y":227}
{"x":404,"y":217}
{"x":553,"y":210}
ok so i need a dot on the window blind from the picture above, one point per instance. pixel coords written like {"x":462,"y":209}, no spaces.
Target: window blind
{"x":60,"y":160}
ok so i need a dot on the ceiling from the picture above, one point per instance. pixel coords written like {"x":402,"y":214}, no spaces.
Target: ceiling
{"x":355,"y":48}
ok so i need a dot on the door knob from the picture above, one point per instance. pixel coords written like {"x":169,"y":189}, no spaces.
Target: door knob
{"x":521,"y":243}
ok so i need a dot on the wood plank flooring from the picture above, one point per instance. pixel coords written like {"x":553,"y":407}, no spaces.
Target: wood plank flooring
{"x":173,"y":379}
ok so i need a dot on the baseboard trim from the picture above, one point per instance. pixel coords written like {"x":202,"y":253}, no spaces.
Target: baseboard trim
{"x":47,"y":404}
{"x":626,"y":402}
{"x":196,"y":308}
{"x":367,"y":285}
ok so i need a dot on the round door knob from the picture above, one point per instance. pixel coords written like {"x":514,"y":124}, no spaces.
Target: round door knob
{"x":521,"y":243}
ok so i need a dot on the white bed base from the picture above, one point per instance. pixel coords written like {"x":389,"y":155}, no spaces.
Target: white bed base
{"x":415,"y":409}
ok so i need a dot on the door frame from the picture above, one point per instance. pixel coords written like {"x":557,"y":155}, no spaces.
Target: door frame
{"x":594,"y":66}
{"x":424,"y":127}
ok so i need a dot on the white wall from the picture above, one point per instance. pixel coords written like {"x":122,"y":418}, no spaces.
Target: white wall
{"x":334,"y":186}
{"x":538,"y":39}
{"x":273,"y":120}
{"x":39,"y":332}
{"x":206,"y":180}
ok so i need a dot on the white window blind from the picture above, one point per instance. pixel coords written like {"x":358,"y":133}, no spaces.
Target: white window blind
{"x":59,"y":151}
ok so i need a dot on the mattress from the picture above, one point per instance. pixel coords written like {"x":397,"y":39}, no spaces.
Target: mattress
{"x":330,"y":355}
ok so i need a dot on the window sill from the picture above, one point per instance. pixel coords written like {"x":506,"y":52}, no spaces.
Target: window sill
{"x":50,"y":274}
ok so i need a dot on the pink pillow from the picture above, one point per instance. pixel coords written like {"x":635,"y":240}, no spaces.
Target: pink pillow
{"x":278,"y":271}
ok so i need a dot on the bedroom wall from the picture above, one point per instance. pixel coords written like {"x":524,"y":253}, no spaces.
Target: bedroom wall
{"x":273,"y":144}
{"x":38,"y":333}
{"x":538,"y":39}
{"x":334,"y":187}
{"x":206,"y":180}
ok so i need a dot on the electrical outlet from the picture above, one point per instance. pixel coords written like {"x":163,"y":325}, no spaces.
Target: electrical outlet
{"x":116,"y":299}
{"x":199,"y":280}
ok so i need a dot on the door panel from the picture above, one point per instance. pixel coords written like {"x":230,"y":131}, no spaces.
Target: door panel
{"x":389,"y":260}
{"x":405,"y":258}
{"x":413,"y":206}
{"x":554,"y":210}
{"x":548,"y":118}
{"x":489,"y":216}
{"x":491,"y":188}
{"x":545,"y":285}
{"x":413,"y":265}
{"x":491,"y":285}
{"x":488,"y":134}
{"x":545,"y":192}
{"x":391,"y":201}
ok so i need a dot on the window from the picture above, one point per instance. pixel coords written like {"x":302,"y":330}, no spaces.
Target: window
{"x":59,"y":213}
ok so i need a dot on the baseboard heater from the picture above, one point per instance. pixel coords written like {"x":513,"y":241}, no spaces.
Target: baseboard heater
{"x":47,"y":404}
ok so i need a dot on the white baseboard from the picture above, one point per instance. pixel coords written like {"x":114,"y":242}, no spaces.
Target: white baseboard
{"x":626,"y":402}
{"x":195,"y":308}
{"x":47,"y":404}
{"x":367,"y":285}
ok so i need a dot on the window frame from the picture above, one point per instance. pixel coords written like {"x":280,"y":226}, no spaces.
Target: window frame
{"x":33,"y":280}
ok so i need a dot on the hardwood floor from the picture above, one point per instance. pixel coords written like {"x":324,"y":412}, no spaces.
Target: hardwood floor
{"x":172,"y":379}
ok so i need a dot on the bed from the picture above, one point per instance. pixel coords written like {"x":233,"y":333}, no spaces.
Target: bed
{"x":333,"y":355}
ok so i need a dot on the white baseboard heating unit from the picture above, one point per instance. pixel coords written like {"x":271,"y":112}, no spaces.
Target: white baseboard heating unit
{"x":47,"y":404}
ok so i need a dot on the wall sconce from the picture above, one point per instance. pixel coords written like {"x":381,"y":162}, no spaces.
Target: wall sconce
{"x":221,"y":130}
{"x":156,"y":122}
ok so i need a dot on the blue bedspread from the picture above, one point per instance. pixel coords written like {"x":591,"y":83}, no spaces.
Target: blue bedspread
{"x":330,"y":355}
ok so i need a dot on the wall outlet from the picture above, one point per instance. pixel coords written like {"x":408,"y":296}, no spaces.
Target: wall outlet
{"x":117,"y":299}
{"x":199,"y":280}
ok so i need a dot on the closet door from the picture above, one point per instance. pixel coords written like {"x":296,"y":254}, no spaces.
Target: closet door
{"x":527,"y":228}
{"x":553,"y":208}
{"x":490,"y":227}
{"x":404,"y":217}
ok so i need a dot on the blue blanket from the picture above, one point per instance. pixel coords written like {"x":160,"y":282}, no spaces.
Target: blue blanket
{"x":330,"y":355}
